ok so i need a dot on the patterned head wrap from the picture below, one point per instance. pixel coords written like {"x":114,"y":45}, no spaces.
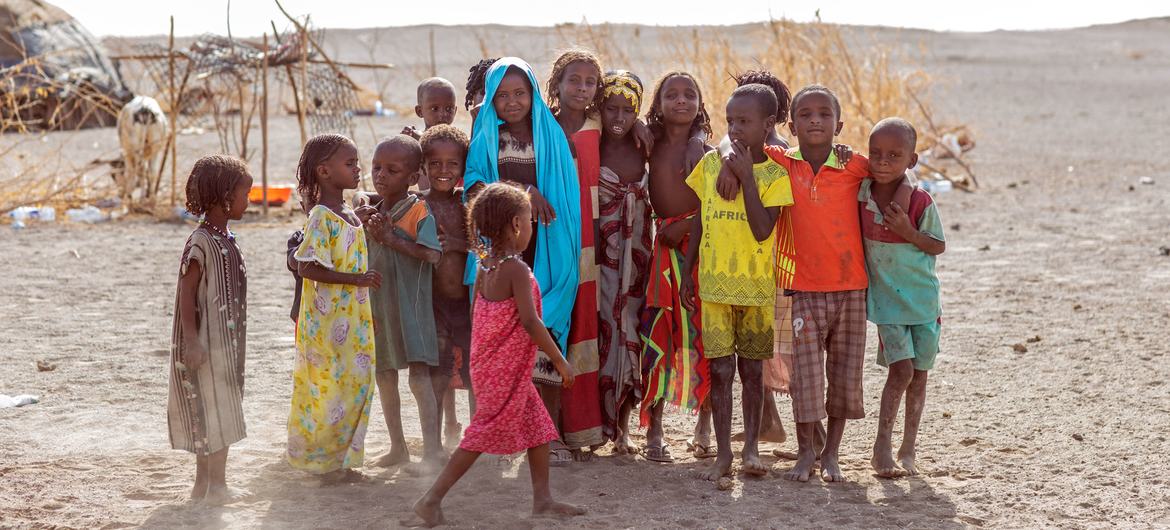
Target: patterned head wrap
{"x":625,"y":84}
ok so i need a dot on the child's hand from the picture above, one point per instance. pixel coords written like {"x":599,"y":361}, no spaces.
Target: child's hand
{"x":727,"y":185}
{"x":643,"y":138}
{"x":410,"y":131}
{"x":673,"y":234}
{"x":194,"y":354}
{"x":686,"y":293}
{"x":364,"y":213}
{"x":568,"y":375}
{"x":694,"y":153}
{"x":453,"y":244}
{"x":369,"y":279}
{"x":740,"y":161}
{"x":895,"y":218}
{"x":844,"y":153}
{"x":542,"y":211}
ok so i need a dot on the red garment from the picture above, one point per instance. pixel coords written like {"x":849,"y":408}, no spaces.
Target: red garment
{"x":509,"y":414}
{"x":581,"y":405}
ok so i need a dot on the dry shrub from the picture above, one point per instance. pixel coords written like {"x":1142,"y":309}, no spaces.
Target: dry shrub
{"x":48,"y":174}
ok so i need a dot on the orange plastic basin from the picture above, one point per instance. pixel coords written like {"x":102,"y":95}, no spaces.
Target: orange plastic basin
{"x":277,"y":195}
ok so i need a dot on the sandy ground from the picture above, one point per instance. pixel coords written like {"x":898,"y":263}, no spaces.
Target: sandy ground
{"x":1061,"y":247}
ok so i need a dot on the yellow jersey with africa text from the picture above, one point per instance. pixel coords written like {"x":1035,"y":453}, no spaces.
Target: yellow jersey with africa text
{"x":734,"y":268}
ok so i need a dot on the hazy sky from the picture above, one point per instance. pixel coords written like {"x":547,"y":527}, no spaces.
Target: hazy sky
{"x":250,"y":17}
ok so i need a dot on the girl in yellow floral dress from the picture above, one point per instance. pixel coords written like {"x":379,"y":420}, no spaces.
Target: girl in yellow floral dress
{"x":334,"y":369}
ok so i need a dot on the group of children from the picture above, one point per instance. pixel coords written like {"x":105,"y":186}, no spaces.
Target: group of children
{"x":569,"y":263}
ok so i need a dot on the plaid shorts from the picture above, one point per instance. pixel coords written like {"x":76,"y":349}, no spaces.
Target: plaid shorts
{"x":829,"y":339}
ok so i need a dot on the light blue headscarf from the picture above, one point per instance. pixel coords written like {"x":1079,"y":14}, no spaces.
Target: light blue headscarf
{"x":558,"y":245}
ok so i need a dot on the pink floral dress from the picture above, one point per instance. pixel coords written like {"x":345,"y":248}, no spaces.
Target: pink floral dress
{"x":509,"y":415}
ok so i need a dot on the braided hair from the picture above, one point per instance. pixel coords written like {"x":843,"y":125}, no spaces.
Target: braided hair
{"x":764,"y":77}
{"x":702,"y":120}
{"x":317,"y":150}
{"x":492,"y":211}
{"x":553,"y":86}
{"x":477,"y":80}
{"x":212,"y":179}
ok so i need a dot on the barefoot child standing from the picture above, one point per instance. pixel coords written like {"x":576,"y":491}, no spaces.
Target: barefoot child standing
{"x":510,"y":416}
{"x":903,"y":297}
{"x":205,"y":413}
{"x":444,"y":151}
{"x":404,"y":248}
{"x":334,"y":367}
{"x":625,"y":240}
{"x":733,"y":242}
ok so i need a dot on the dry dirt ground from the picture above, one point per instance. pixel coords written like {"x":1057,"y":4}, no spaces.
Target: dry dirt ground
{"x":1061,"y":247}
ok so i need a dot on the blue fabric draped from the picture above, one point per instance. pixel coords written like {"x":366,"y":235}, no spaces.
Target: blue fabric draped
{"x":558,"y":245}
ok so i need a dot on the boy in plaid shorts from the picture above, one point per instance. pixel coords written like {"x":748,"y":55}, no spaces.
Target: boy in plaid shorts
{"x":733,"y":243}
{"x":900,"y":249}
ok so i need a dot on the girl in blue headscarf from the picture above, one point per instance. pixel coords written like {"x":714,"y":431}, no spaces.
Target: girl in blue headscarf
{"x":516,"y":139}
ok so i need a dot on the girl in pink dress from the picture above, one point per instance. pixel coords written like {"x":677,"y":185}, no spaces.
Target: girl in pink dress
{"x":505,"y":333}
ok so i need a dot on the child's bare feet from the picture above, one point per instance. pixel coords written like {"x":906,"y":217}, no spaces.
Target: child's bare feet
{"x":621,"y":446}
{"x":830,"y":469}
{"x":773,"y":434}
{"x":427,"y":513}
{"x":883,"y":460}
{"x":805,"y":460}
{"x":453,"y":433}
{"x":396,"y":456}
{"x":906,"y":459}
{"x":428,"y":466}
{"x":199,"y":491}
{"x":551,"y":507}
{"x":581,"y":455}
{"x":752,"y":464}
{"x":342,"y":476}
{"x":223,"y":495}
{"x":720,"y":468}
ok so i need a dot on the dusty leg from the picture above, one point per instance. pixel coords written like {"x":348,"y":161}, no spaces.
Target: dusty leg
{"x":542,"y":501}
{"x":428,"y":415}
{"x":391,"y":409}
{"x":200,"y":489}
{"x":771,"y":428}
{"x":751,"y":375}
{"x":621,"y":445}
{"x":440,"y":381}
{"x":915,"y":403}
{"x":722,"y":374}
{"x":429,"y":508}
{"x":830,"y":468}
{"x":806,"y":457}
{"x":452,"y":429}
{"x":701,"y":441}
{"x":550,"y":395}
{"x":218,"y":492}
{"x":897,"y":380}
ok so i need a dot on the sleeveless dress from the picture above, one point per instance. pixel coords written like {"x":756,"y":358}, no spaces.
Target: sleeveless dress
{"x":509,"y":415}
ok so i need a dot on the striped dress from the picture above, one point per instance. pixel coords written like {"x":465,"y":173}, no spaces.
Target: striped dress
{"x":205,"y":411}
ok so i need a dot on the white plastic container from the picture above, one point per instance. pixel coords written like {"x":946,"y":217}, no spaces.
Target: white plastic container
{"x":89,"y":214}
{"x":33,"y":213}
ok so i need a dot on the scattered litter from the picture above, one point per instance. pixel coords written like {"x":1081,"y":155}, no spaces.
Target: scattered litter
{"x":955,"y":227}
{"x":188,"y":131}
{"x":1019,"y":348}
{"x":725,"y":483}
{"x":183,"y":214}
{"x":947,"y":414}
{"x":1164,"y":250}
{"x":45,"y":366}
{"x":1077,"y":307}
{"x":1034,"y":340}
{"x":1078,"y":437}
{"x":17,"y":225}
{"x":985,"y":248}
{"x":1149,"y":181}
{"x":935,"y":187}
{"x":1070,"y":169}
{"x":88,"y":214}
{"x":1013,"y":184}
{"x":75,"y":253}
{"x":33,"y":213}
{"x":17,"y":401}
{"x":1131,"y":188}
{"x":113,"y":202}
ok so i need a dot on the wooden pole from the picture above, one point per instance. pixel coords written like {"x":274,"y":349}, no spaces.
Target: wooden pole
{"x":264,"y":127}
{"x":304,"y":83}
{"x":292,"y":83}
{"x":174,"y":111}
{"x":433,"y":69}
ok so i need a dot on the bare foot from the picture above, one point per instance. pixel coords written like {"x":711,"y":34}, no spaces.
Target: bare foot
{"x":883,"y":461}
{"x":831,"y":470}
{"x":581,"y":455}
{"x":621,"y":446}
{"x":720,"y":468}
{"x":906,"y":459}
{"x":753,"y":466}
{"x":396,"y":456}
{"x":342,"y":476}
{"x":426,"y":515}
{"x":199,"y":491}
{"x":222,"y":495}
{"x":803,"y":468}
{"x":551,"y":507}
{"x":427,"y":467}
{"x":453,"y":433}
{"x":774,"y":435}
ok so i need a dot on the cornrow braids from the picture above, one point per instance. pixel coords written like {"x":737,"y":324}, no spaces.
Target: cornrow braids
{"x":212,"y":179}
{"x":702,"y":120}
{"x":317,"y":150}
{"x":815,"y":88}
{"x":553,"y":86}
{"x":492,"y":211}
{"x":444,"y":133}
{"x":477,"y":80}
{"x":764,"y":77}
